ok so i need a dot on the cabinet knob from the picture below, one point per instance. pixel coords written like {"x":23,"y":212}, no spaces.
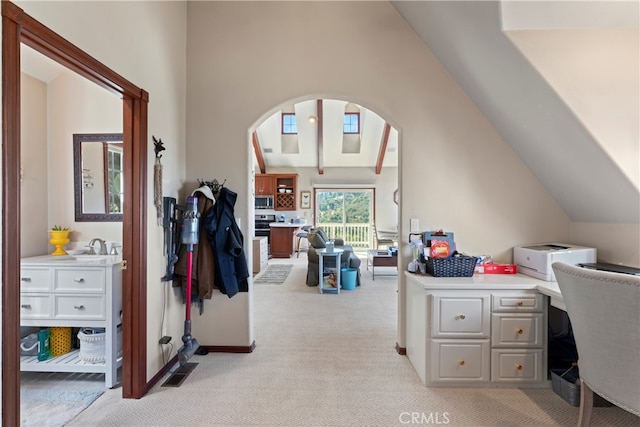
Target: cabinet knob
{"x":78,"y":280}
{"x":461,"y":363}
{"x":461,"y":316}
{"x":520,"y":303}
{"x":25,"y":305}
{"x":519,"y":367}
{"x":25,"y":279}
{"x":79,"y":307}
{"x":519,"y":330}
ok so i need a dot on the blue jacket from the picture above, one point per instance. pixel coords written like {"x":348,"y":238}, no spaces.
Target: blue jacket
{"x":226,"y":240}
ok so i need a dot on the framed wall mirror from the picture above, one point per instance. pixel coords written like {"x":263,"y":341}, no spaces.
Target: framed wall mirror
{"x":98,"y":177}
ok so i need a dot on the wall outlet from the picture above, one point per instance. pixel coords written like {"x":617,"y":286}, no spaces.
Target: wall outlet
{"x":414,"y":224}
{"x":165,"y":340}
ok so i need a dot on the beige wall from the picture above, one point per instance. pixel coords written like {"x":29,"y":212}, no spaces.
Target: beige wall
{"x":144,"y":42}
{"x":616,"y":243}
{"x":455,"y":170}
{"x":33,"y":148}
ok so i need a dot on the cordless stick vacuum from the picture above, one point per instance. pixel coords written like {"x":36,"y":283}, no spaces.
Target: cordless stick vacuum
{"x":189,"y":238}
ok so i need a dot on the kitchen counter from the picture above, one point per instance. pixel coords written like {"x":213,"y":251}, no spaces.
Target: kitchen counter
{"x":282,"y":238}
{"x":286,"y":224}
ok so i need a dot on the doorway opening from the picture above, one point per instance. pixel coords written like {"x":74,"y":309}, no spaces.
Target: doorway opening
{"x":17,"y":28}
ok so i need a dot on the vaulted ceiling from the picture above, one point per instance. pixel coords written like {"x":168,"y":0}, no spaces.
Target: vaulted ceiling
{"x":320,"y":141}
{"x":548,"y":75}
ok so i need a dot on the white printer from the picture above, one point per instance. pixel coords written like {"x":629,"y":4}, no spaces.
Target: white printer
{"x":536,"y":260}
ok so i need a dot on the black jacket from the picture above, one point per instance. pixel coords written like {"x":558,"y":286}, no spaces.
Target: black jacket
{"x":226,"y":240}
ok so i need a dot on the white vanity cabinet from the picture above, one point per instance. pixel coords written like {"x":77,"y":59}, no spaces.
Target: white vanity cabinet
{"x":481,"y":331}
{"x":56,"y":291}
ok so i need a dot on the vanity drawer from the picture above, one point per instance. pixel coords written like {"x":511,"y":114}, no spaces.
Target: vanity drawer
{"x":35,"y":306}
{"x":517,"y":303}
{"x":85,"y":280}
{"x":461,"y":317}
{"x":517,"y":330}
{"x":460,"y":360}
{"x":35,"y":279}
{"x":515,"y":365}
{"x":80,"y":307}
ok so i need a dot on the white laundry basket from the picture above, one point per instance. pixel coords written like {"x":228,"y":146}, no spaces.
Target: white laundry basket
{"x":93,"y":345}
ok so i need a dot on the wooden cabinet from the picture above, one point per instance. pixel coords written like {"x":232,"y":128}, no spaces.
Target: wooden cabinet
{"x":73,"y":294}
{"x":282,"y":240}
{"x":286,"y":186}
{"x":264,"y":185}
{"x":480,"y":331}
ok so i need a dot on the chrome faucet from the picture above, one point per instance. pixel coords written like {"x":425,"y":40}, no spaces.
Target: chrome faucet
{"x":103,"y":246}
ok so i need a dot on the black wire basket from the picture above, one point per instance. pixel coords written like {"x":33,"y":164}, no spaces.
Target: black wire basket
{"x":456,"y":266}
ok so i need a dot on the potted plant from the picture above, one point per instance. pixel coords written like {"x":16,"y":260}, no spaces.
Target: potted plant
{"x":59,"y":238}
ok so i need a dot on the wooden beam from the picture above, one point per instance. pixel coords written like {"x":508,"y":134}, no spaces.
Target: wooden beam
{"x":258,"y":151}
{"x":383,"y":147}
{"x":320,"y":138}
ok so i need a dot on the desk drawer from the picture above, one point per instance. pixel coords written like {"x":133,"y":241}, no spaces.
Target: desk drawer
{"x":460,"y":360}
{"x":80,"y":307}
{"x":85,"y":280}
{"x":35,"y":279}
{"x":515,"y":365}
{"x":518,"y":303}
{"x":517,"y":330}
{"x":35,"y":306}
{"x":461,"y":317}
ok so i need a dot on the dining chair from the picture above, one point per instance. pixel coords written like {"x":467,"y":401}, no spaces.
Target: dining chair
{"x":603,"y":309}
{"x":302,"y":234}
{"x":381,"y":240}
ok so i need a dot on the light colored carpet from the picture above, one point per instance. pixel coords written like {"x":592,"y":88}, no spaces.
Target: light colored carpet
{"x":328,"y":360}
{"x":275,"y":274}
{"x":53,"y":399}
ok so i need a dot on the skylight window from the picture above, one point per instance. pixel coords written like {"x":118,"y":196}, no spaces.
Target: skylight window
{"x":351,"y":123}
{"x":289,"y":124}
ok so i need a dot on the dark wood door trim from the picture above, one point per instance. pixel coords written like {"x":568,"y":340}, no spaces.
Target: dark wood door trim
{"x":17,"y":28}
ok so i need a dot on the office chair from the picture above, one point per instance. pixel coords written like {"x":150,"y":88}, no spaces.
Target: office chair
{"x":603,"y":309}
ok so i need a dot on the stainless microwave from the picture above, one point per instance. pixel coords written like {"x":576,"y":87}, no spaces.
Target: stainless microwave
{"x":264,"y":202}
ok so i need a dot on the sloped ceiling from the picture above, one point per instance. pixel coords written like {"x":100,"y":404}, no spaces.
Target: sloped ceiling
{"x":530,"y":115}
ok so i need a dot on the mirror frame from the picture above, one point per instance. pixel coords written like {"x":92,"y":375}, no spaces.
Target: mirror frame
{"x":78,"y":139}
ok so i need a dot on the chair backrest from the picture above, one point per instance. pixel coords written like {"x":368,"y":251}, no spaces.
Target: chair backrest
{"x":604,"y":310}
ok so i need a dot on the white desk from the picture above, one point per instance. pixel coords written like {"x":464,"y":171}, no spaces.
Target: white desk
{"x":460,"y":330}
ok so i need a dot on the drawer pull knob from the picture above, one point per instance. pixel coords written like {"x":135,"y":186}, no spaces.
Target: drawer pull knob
{"x":520,"y":303}
{"x":519,"y":367}
{"x":461,"y":317}
{"x":25,"y":305}
{"x":79,"y":307}
{"x":78,"y":280}
{"x":461,"y":363}
{"x":519,"y":330}
{"x":25,"y":279}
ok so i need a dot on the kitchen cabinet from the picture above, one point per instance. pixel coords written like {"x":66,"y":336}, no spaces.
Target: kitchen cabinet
{"x":286,"y":186}
{"x":73,"y":292}
{"x":481,"y":331}
{"x":282,"y":239}
{"x":264,"y":185}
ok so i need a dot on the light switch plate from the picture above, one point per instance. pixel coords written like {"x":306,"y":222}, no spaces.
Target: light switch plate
{"x":414,"y":224}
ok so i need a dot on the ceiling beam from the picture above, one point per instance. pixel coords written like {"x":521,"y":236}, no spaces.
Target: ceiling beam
{"x":383,"y":147}
{"x":258,"y":151}
{"x":320,"y":137}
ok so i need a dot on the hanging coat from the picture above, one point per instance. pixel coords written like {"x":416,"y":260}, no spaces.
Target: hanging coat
{"x":231,"y":271}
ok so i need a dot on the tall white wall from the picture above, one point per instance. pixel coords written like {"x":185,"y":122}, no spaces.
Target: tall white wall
{"x":146,"y":43}
{"x":33,"y":149}
{"x":456,"y":172}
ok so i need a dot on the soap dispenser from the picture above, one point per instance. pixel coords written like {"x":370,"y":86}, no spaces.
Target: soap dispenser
{"x":282,"y":218}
